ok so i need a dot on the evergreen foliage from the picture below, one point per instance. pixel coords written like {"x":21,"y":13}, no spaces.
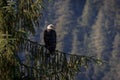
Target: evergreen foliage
{"x":16,"y":20}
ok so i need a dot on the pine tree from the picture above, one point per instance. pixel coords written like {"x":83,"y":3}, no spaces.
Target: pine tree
{"x":113,"y":73}
{"x":16,"y":20}
{"x":98,"y":35}
{"x":63,"y":22}
{"x":87,"y":14}
{"x":98,"y":44}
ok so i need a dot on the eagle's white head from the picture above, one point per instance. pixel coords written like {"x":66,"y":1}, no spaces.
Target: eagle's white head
{"x":50,"y":26}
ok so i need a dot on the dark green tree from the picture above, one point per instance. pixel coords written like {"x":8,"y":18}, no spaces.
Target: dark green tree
{"x":17,"y":19}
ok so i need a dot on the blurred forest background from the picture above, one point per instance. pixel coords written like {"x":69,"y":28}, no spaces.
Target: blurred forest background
{"x":87,"y":27}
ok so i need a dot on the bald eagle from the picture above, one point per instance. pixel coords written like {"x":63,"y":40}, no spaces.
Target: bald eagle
{"x":50,"y":38}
